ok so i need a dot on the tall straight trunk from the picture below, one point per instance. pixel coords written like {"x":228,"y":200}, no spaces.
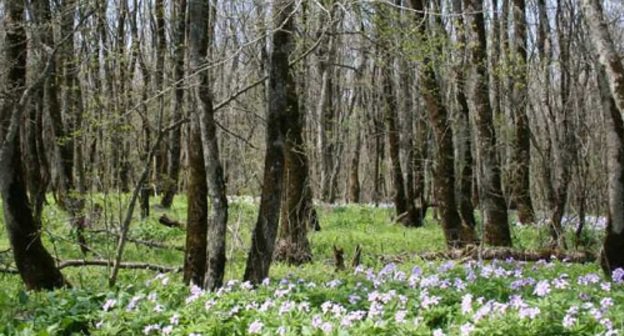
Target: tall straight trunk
{"x":160,"y":158}
{"x":521,"y":149}
{"x":264,"y":234}
{"x":197,"y":211}
{"x":35,"y":265}
{"x":464,"y":136}
{"x":444,"y":166}
{"x":491,"y":196}
{"x":173,"y":167}
{"x":135,"y":58}
{"x":611,"y":256}
{"x":201,"y":36}
{"x":327,"y":113}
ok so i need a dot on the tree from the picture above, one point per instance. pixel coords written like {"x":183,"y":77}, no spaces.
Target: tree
{"x":34,"y":263}
{"x":491,"y":195}
{"x":405,"y":210}
{"x":263,"y":236}
{"x":521,"y":148}
{"x":611,"y":256}
{"x":201,"y":36}
{"x":464,"y":134}
{"x":173,"y":167}
{"x":444,"y":165}
{"x":197,"y":209}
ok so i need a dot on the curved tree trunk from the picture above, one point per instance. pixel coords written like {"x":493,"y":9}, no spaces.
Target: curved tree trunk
{"x":491,"y":196}
{"x":264,"y":234}
{"x":34,"y":263}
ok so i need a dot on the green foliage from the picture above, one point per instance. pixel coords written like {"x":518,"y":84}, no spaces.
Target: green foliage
{"x":320,"y":297}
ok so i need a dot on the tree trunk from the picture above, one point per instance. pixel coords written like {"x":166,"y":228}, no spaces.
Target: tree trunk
{"x":197,"y":212}
{"x":173,"y":168}
{"x":263,"y":237}
{"x":201,"y":35}
{"x":354,"y":171}
{"x":464,"y":134}
{"x":297,"y":208}
{"x":444,"y":166}
{"x":611,"y":256}
{"x":521,"y":148}
{"x":327,"y":113}
{"x":405,"y":213}
{"x":34,"y":263}
{"x":491,"y":196}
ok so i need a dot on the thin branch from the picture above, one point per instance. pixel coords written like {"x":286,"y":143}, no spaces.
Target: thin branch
{"x":125,"y":265}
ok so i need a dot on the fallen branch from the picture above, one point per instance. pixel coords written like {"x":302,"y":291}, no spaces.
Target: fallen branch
{"x":126,"y":265}
{"x":148,"y":243}
{"x":498,"y":253}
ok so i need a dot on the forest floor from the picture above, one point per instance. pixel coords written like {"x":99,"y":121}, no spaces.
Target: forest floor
{"x":392,"y":292}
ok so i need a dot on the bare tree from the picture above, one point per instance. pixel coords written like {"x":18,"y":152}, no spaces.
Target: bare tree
{"x":264,"y":234}
{"x":173,"y":168}
{"x":491,"y":196}
{"x":34,"y":263}
{"x":521,"y":148}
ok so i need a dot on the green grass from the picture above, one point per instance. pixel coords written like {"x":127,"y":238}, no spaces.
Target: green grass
{"x":78,"y":309}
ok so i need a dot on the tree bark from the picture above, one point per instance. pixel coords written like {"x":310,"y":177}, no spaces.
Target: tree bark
{"x":197,"y":211}
{"x":263,"y":236}
{"x":611,"y":256}
{"x":297,"y":208}
{"x":491,"y":196}
{"x":35,"y":265}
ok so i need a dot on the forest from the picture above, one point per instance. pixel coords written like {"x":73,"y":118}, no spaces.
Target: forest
{"x":312,"y":167}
